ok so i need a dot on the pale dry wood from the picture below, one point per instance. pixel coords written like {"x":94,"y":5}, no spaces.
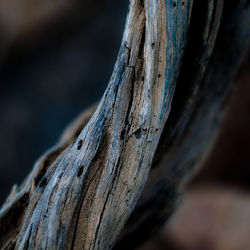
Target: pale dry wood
{"x":80,"y":194}
{"x":92,"y":187}
{"x":196,"y":113}
{"x":162,"y":190}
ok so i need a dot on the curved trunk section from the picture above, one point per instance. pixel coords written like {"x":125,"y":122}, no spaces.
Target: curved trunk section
{"x":92,"y":187}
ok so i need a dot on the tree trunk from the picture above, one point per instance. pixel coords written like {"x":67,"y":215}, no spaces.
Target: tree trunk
{"x":90,"y":187}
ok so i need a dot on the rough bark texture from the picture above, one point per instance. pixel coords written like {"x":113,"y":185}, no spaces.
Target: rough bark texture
{"x":81,"y":193}
{"x":203,"y":92}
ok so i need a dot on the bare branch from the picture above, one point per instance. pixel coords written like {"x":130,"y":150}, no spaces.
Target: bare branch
{"x":81,"y":193}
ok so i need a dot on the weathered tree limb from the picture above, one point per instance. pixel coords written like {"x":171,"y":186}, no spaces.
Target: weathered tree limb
{"x":81,"y":193}
{"x":161,"y":192}
{"x":195,"y":115}
{"x":101,"y":176}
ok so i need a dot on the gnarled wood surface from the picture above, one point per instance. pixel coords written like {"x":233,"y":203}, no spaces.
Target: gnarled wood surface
{"x":81,"y":193}
{"x":200,"y":101}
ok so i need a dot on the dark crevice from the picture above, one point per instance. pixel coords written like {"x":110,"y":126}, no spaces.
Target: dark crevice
{"x":80,"y":171}
{"x":42,"y":172}
{"x":43,"y":182}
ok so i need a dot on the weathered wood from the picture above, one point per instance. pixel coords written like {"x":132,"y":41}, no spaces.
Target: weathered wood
{"x":93,"y":186}
{"x":81,"y":192}
{"x":195,"y":114}
{"x":162,"y":190}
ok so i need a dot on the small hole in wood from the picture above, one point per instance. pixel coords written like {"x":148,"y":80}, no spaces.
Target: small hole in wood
{"x":79,"y":145}
{"x":174,"y":4}
{"x":138,"y":133}
{"x":80,"y":171}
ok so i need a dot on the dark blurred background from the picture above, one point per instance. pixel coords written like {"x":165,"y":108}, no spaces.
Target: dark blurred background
{"x":56,"y":58}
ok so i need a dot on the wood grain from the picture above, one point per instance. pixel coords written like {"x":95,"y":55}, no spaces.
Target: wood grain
{"x":82,"y":192}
